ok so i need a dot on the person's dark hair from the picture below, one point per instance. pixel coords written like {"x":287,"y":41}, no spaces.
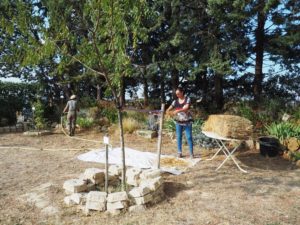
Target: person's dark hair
{"x":180,"y":89}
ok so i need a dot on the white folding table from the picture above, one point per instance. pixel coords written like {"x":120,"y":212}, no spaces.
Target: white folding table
{"x":222,"y":147}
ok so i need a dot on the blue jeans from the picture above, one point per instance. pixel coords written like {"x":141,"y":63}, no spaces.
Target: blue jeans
{"x":188,"y":134}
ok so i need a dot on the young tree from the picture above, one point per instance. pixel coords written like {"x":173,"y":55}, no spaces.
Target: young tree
{"x":94,"y":35}
{"x":100,"y":34}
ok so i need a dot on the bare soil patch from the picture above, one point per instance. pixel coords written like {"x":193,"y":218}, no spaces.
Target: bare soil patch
{"x":267,"y":195}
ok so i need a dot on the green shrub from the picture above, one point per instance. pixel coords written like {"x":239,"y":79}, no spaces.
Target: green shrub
{"x":39,"y":119}
{"x":283,"y":130}
{"x":170,"y":125}
{"x":52,"y":113}
{"x":295,"y":156}
{"x":197,"y":125}
{"x":87,"y":101}
{"x":272,"y":108}
{"x":296,"y":114}
{"x":111,"y":114}
{"x":85,"y":122}
{"x":246,"y":111}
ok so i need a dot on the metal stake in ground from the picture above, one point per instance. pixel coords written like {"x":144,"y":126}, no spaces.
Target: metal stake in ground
{"x":160,"y":134}
{"x":106,"y":142}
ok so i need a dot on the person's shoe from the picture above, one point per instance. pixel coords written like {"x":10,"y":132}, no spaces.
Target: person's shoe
{"x":179,"y":155}
{"x":192,"y":156}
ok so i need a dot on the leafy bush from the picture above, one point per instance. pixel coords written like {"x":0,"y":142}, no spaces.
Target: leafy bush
{"x":199,"y":138}
{"x":170,"y":125}
{"x":130,"y":125}
{"x":260,"y":118}
{"x":203,"y":141}
{"x":283,"y":130}
{"x":39,"y":119}
{"x":94,"y":112}
{"x":141,"y":117}
{"x":197,"y":124}
{"x":87,"y":101}
{"x":295,"y":156}
{"x":246,"y":111}
{"x":111,"y":114}
{"x":296,"y":114}
{"x":272,"y":106}
{"x":85,"y":122}
{"x":52,"y":113}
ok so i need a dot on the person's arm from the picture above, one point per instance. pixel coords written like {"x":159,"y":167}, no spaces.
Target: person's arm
{"x":184,"y":109}
{"x":77,"y":108}
{"x":172,"y":106}
{"x":66,"y":108}
{"x":169,"y":109}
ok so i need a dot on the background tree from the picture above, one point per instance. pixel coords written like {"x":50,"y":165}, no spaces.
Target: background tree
{"x":208,"y":46}
{"x":274,"y":31}
{"x":15,"y":97}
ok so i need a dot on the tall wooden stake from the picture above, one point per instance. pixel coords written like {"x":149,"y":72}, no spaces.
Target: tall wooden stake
{"x":106,"y":142}
{"x":160,"y":134}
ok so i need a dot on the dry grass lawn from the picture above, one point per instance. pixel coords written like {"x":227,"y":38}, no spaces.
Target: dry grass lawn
{"x":267,"y":195}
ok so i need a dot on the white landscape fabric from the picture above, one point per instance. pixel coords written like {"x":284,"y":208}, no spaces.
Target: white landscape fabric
{"x":133,"y":158}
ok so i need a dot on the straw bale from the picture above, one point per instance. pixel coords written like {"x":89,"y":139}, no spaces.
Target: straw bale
{"x":229,"y":126}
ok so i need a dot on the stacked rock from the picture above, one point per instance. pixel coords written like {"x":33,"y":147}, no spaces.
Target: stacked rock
{"x":146,"y":188}
{"x":116,"y":202}
{"x":133,"y":176}
{"x":96,"y":200}
{"x":75,"y":186}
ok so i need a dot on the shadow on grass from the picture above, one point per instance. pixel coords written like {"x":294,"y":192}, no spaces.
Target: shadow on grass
{"x":256,"y":160}
{"x":171,"y":189}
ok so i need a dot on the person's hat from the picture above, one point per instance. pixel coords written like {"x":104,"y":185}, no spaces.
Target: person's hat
{"x":73,"y":97}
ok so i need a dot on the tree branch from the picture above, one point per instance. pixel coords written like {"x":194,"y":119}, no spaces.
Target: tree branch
{"x":85,"y":65}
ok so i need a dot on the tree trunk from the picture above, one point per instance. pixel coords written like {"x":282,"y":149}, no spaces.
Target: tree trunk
{"x":98,"y":88}
{"x":145,"y":84}
{"x":123,"y":149}
{"x":204,"y":87}
{"x":259,"y":51}
{"x":118,"y":106}
{"x":201,"y":83}
{"x":162,"y":90}
{"x":122,"y":91}
{"x":219,"y":100}
{"x":174,"y":82}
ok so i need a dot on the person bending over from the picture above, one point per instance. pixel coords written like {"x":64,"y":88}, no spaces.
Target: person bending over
{"x":180,"y":110}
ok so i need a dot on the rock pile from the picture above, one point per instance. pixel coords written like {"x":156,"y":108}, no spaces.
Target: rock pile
{"x":145,"y":189}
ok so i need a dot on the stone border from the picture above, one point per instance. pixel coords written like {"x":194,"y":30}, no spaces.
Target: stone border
{"x":19,"y":127}
{"x":145,"y":189}
{"x":34,"y":133}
